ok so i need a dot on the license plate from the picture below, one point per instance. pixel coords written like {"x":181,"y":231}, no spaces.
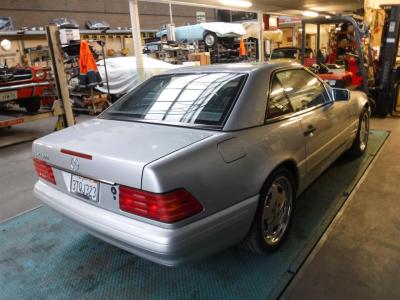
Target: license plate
{"x":84,"y":187}
{"x":8,"y":96}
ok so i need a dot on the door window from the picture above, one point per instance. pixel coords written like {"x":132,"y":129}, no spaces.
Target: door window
{"x":303,"y":89}
{"x":278,"y":102}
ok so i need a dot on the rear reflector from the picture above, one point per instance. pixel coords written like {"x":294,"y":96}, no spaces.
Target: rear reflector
{"x":44,"y":170}
{"x":77,"y":154}
{"x":168,"y":207}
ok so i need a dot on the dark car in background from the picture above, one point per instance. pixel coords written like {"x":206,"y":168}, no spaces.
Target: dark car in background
{"x":287,"y":54}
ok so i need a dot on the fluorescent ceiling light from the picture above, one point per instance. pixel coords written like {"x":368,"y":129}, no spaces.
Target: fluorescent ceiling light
{"x":308,"y":13}
{"x":236,"y":3}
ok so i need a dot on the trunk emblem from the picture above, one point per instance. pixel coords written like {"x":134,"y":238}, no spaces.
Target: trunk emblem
{"x":74,"y":164}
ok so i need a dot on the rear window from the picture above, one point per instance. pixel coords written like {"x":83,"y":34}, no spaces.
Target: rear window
{"x":187,"y":99}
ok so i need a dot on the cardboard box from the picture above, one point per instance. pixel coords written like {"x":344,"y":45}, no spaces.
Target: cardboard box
{"x":202,"y":57}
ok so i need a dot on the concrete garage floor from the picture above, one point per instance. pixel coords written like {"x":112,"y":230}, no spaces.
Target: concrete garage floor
{"x":358,"y":257}
{"x":17,"y":175}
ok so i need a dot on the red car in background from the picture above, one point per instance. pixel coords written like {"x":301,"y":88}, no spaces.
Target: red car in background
{"x":24,"y":86}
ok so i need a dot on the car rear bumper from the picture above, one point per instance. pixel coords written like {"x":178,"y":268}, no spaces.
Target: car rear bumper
{"x":23,"y":86}
{"x":165,"y":246}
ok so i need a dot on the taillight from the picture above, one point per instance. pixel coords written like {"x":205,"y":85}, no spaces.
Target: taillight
{"x":168,"y":207}
{"x":44,"y":170}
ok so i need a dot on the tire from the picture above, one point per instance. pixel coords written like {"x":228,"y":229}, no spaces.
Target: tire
{"x":32,"y":105}
{"x":210,"y":39}
{"x":361,"y":141}
{"x":261,"y":239}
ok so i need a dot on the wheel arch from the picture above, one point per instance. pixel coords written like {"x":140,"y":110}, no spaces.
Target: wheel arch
{"x":292,"y":167}
{"x":252,"y":240}
{"x":361,"y":100}
{"x":206,"y":32}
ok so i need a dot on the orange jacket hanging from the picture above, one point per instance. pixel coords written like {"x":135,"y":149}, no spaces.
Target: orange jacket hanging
{"x":88,"y":74}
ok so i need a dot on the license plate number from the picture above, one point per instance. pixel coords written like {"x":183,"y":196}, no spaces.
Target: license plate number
{"x":84,"y":187}
{"x":8,"y":96}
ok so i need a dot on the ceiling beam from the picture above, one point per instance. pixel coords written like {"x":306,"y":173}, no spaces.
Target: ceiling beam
{"x":257,"y":6}
{"x":276,"y":7}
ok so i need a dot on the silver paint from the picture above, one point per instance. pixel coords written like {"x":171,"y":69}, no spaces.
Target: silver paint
{"x":224,"y":170}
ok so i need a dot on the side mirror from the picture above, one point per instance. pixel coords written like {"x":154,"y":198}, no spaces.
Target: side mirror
{"x":341,"y":94}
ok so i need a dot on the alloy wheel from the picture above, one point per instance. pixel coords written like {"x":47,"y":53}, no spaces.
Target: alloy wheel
{"x":277,"y":210}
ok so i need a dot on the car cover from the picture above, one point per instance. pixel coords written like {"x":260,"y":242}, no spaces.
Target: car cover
{"x":123,"y":75}
{"x":253,"y":28}
{"x":222,"y":28}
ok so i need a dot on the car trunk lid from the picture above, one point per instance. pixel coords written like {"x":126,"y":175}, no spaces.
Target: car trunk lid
{"x":113,"y":151}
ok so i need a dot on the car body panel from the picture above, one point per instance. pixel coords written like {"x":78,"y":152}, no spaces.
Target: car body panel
{"x":229,"y":182}
{"x":332,"y":123}
{"x":223,"y":169}
{"x":119,"y":149}
{"x":161,"y":245}
{"x":190,"y":32}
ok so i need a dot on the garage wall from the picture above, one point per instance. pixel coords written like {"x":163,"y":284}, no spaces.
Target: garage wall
{"x":14,"y":56}
{"x":116,"y":12}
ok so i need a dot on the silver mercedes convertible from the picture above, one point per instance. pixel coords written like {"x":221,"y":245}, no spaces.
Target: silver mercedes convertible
{"x":199,"y":159}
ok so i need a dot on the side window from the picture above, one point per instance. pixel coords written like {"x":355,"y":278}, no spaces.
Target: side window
{"x":303,"y":89}
{"x":278,"y":102}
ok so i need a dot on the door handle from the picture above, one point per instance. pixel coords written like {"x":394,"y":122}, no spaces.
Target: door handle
{"x":310,"y":129}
